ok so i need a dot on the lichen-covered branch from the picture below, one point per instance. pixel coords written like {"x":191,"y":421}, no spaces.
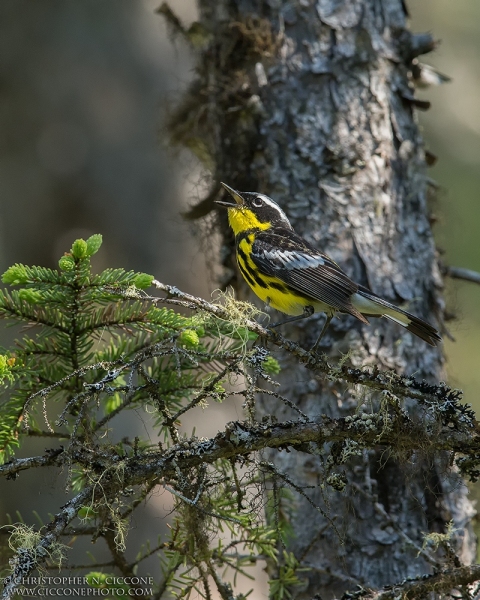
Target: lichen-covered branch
{"x":13,"y":467}
{"x":440,"y":583}
{"x":374,"y":379}
{"x":241,"y":439}
{"x":28,"y":559}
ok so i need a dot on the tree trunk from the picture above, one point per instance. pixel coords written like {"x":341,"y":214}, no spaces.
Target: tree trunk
{"x":310,"y":103}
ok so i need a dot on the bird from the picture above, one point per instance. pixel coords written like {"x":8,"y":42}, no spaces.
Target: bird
{"x":292,"y":276}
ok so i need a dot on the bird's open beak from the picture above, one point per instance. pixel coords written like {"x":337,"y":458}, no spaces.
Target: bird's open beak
{"x":235,"y":195}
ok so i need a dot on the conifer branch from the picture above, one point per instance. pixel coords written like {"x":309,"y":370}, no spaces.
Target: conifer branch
{"x":175,"y":363}
{"x":238,"y":439}
{"x":387,"y":381}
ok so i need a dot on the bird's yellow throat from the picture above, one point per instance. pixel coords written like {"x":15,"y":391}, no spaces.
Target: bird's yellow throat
{"x":242,"y":219}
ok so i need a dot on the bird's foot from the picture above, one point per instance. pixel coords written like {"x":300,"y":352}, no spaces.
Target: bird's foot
{"x":307,"y":312}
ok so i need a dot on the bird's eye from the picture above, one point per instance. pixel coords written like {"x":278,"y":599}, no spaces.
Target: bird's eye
{"x":257,"y":202}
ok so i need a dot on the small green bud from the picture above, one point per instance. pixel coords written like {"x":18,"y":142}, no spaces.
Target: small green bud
{"x":271,"y":366}
{"x":143,"y":281}
{"x":219,"y":392}
{"x":79,"y":249}
{"x":15,"y":275}
{"x":6,"y":365}
{"x":189,"y":338}
{"x":112,"y":403}
{"x":93,"y":244}
{"x":66,"y":263}
{"x":30,"y":296}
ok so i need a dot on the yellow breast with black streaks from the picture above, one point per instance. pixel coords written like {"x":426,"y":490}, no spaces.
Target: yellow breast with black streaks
{"x":271,"y":290}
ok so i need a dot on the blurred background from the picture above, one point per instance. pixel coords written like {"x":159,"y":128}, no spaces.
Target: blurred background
{"x":85,"y":88}
{"x":452,"y":132}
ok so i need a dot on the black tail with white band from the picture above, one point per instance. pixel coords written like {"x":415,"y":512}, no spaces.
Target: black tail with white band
{"x":371,"y":304}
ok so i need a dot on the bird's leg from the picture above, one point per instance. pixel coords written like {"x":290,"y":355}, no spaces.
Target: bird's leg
{"x":307,"y":312}
{"x":322,"y":333}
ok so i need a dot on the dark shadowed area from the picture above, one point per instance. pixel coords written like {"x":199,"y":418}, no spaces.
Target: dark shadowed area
{"x":85,"y":89}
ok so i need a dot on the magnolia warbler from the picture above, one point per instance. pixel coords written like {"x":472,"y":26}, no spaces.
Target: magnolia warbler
{"x":289,"y":274}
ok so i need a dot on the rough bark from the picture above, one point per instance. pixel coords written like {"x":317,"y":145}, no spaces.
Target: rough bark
{"x":310,"y":103}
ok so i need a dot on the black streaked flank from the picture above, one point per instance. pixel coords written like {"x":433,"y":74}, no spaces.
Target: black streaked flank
{"x":250,"y":281}
{"x":253,"y":273}
{"x":279,"y":286}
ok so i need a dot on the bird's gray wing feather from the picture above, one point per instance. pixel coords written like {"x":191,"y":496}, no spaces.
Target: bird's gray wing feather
{"x":305,"y":270}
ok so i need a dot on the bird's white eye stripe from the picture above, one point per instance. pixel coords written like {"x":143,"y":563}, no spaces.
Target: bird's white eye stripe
{"x":268,"y":201}
{"x":295,"y":260}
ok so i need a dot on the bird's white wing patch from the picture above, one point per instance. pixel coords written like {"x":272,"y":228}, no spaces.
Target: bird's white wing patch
{"x":294,"y":260}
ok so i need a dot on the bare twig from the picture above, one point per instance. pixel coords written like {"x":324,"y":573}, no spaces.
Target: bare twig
{"x":207,"y":390}
{"x":460,"y":273}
